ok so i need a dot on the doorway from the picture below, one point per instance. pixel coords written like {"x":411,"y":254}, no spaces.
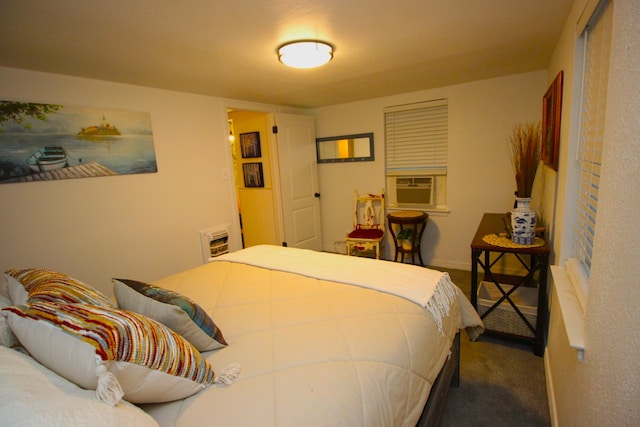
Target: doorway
{"x":249,"y":135}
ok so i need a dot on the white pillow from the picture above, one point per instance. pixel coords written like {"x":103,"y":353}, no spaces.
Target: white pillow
{"x":4,"y":291}
{"x":171,"y":309}
{"x":15,"y":290}
{"x":111,"y":351}
{"x":7,"y":337}
{"x":33,"y":395}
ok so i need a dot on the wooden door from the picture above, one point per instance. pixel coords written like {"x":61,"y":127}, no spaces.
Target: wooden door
{"x":298,"y":176}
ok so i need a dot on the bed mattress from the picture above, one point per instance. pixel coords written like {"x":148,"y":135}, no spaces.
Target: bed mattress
{"x":312,"y":351}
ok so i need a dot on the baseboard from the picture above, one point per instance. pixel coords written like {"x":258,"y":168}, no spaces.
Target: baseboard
{"x":553,"y":413}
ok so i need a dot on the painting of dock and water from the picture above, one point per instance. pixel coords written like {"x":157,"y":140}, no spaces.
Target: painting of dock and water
{"x":50,"y":142}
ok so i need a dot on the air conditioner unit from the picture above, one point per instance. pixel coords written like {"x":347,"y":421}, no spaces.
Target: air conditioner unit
{"x":410,"y":191}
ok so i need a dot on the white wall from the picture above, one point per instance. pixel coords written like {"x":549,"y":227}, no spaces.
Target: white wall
{"x":603,"y":389}
{"x":147,"y":225}
{"x":480,"y":177}
{"x":137,"y":226}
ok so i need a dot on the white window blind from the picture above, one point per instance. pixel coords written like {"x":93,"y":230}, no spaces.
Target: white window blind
{"x":594,"y":93}
{"x":417,"y":136}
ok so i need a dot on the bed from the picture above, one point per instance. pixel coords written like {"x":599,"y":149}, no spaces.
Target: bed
{"x":319,"y":339}
{"x":314,"y":348}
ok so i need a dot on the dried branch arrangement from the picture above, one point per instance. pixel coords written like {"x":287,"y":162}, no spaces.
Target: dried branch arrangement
{"x":525,"y":143}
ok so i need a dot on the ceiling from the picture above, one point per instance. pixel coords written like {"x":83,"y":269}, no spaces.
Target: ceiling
{"x":228,"y":48}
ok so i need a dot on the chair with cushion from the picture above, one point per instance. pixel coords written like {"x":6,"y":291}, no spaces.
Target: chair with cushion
{"x":368,"y":225}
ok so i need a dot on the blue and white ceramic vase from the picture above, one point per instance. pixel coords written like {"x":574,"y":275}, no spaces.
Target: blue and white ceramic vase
{"x":523,"y":222}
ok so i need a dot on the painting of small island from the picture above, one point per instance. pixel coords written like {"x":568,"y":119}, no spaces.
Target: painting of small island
{"x":40,"y":142}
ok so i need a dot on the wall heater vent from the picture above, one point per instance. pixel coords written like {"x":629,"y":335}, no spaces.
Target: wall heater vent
{"x":214,"y":242}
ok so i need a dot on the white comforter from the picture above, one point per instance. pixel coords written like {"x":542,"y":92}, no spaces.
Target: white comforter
{"x":314,"y":352}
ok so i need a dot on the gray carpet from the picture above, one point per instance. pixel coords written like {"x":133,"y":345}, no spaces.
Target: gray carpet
{"x":502,"y":382}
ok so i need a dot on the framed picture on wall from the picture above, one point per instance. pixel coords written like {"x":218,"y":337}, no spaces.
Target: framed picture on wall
{"x":250,"y":145}
{"x":551,"y":115}
{"x":42,"y":142}
{"x":253,"y":176}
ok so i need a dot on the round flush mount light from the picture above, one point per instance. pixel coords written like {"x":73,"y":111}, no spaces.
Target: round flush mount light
{"x":305,"y":53}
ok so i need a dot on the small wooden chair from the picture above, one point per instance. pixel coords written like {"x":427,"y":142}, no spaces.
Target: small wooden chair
{"x":368,"y":225}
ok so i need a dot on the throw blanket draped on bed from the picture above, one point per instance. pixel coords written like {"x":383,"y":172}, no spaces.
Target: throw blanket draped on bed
{"x":429,"y":288}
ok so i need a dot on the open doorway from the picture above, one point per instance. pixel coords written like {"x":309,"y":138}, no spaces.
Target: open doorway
{"x":253,"y":164}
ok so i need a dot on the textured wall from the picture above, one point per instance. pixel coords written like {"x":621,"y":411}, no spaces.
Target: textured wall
{"x":603,"y":389}
{"x":612,"y":372}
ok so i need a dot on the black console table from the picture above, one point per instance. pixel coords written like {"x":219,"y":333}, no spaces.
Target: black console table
{"x":535,"y":261}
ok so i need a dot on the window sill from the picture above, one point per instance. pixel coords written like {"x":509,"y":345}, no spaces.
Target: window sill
{"x":570,"y":307}
{"x":440,"y":211}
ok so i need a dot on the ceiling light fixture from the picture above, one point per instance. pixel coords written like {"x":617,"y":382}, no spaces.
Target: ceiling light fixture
{"x":305,"y":53}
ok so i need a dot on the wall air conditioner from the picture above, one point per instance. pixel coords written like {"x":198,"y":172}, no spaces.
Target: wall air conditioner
{"x":411,"y":191}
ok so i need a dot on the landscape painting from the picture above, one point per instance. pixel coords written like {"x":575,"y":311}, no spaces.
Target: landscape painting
{"x":41,"y":142}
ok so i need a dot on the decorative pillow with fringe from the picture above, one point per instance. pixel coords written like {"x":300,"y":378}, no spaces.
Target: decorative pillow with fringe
{"x":171,"y":309}
{"x":118,"y":353}
{"x":42,"y":285}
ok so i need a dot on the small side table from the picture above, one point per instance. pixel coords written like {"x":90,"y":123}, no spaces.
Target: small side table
{"x":536,"y":276}
{"x":408,"y":219}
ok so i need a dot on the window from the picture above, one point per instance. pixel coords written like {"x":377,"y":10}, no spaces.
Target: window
{"x":416,"y":151}
{"x":596,"y":42}
{"x":583,"y":174}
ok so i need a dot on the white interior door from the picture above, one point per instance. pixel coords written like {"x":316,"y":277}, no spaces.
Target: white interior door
{"x":298,"y":174}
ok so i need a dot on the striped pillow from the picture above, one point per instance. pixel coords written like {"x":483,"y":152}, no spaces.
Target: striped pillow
{"x":171,"y":309}
{"x":113,"y":351}
{"x":42,"y":285}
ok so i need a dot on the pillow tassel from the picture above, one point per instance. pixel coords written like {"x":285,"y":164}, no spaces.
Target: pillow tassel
{"x":109,"y":389}
{"x":229,"y":374}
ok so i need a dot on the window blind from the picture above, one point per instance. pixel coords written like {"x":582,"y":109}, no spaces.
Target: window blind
{"x":594,"y":93}
{"x":416,"y":136}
